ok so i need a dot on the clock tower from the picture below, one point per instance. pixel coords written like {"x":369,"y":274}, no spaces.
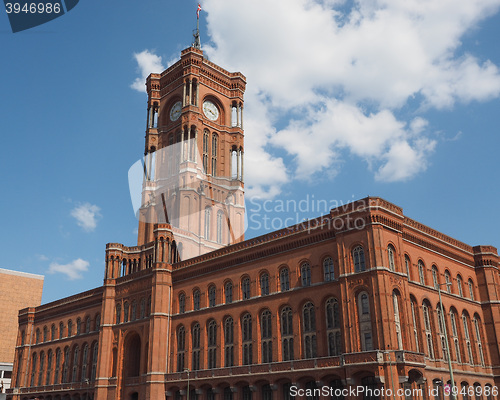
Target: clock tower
{"x":193,"y":168}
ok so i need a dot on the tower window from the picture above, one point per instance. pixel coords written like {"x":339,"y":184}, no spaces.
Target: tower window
{"x":358,"y":256}
{"x":333,"y":327}
{"x":205,"y":151}
{"x":220,"y":219}
{"x":365,"y":324}
{"x":214,"y":154}
{"x":390,"y":256}
{"x":207,"y":223}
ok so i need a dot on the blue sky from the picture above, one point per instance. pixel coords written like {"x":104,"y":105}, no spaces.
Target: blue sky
{"x":344,"y":99}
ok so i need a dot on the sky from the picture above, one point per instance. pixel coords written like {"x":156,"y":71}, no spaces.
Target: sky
{"x":344,"y":99}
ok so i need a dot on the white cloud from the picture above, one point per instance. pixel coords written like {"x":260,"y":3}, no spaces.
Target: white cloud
{"x":328,"y":78}
{"x":86,"y":216}
{"x":73,"y":270}
{"x":147,"y":63}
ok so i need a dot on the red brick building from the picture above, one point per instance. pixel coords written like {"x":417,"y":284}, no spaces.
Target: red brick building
{"x":348,"y":300}
{"x":17,"y":290}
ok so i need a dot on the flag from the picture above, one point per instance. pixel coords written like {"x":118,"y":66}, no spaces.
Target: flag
{"x":198,"y":11}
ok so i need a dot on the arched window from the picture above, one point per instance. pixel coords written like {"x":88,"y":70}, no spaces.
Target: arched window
{"x":95,"y":349}
{"x":358,"y":256}
{"x":390,"y":256}
{"x":264,"y":284}
{"x":287,"y":334}
{"x":211,"y":296}
{"x":228,"y":342}
{"x":220,"y":219}
{"x":78,"y":326}
{"x":477,"y":331}
{"x":87,"y":325}
{"x":85,"y":355}
{"x":212,"y":344}
{"x":328,"y":269}
{"x":48,"y":374}
{"x":305,"y":274}
{"x":365,"y":323}
{"x":33,"y":369}
{"x":181,"y":348}
{"x":97,"y":322}
{"x":118,"y":313}
{"x":53,"y":332}
{"x":407,"y":266}
{"x":57,"y":366}
{"x":441,"y":332}
{"x":182,"y":303}
{"x":70,"y":328}
{"x":74,"y":375}
{"x":459,"y":286}
{"x":214,"y":154}
{"x":205,"y":151}
{"x":246,"y":335}
{"x":467,"y":338}
{"x":415,"y":325}
{"x":228,"y":289}
{"x":266,"y":333}
{"x":125,"y":311}
{"x":195,"y":336}
{"x":284,"y":279}
{"x":471,"y":289}
{"x":142,"y":308}
{"x":45,"y":334}
{"x":37,"y":336}
{"x":245,"y":288}
{"x":428,"y":330}
{"x":454,"y":334}
{"x":40,"y":369}
{"x":133,"y":313}
{"x":435,"y":279}
{"x":309,"y":330}
{"x":447,"y":279}
{"x":207,"y":222}
{"x":65,"y":376}
{"x":421,"y":276}
{"x":397,"y":320}
{"x":333,"y":327}
{"x":61,"y":330}
{"x":196,"y":300}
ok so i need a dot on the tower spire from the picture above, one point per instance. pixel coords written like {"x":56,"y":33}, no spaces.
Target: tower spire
{"x":196,"y":33}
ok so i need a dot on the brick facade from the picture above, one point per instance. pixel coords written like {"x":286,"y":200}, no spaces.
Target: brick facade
{"x":17,"y":290}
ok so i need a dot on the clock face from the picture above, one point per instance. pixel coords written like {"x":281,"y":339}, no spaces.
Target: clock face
{"x":175,"y":111}
{"x":210,"y":110}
